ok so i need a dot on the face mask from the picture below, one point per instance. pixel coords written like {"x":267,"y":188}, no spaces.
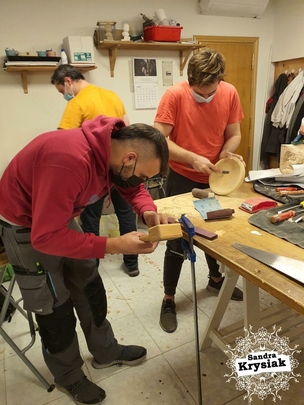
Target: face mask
{"x":132,"y":181}
{"x":201,"y":99}
{"x":66,"y":95}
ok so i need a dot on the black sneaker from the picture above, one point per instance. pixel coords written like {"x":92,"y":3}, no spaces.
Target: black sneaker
{"x":214,"y":287}
{"x":84,"y":392}
{"x":130,"y":356}
{"x":168,"y":320}
{"x":132,"y":272}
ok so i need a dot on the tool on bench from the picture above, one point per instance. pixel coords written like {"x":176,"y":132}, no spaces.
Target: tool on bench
{"x":298,"y":218}
{"x":220,"y":214}
{"x":221,"y":171}
{"x":282,"y":217}
{"x":190,"y":254}
{"x":202,"y":193}
{"x":162,"y":232}
{"x":256,"y":204}
{"x":290,"y":267}
{"x":286,"y":189}
{"x":297,"y":205}
{"x":286,"y":192}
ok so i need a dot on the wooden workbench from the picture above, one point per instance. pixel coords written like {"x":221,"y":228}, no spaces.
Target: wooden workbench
{"x":235,"y":263}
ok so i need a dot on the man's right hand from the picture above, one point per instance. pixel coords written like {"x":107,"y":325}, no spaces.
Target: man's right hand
{"x":129,"y":244}
{"x":203,"y":165}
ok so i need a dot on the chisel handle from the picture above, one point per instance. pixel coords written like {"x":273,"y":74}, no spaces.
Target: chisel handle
{"x":199,"y":193}
{"x":286,"y":189}
{"x":286,"y":192}
{"x":281,"y":217}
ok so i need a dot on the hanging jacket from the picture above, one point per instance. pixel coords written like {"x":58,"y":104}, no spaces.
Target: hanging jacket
{"x":285,"y":106}
{"x":270,"y":142}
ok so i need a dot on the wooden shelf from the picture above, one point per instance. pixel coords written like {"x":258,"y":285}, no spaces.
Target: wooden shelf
{"x":113,"y":46}
{"x":24,"y":70}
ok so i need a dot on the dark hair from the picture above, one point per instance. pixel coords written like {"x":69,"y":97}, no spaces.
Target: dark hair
{"x":66,"y":71}
{"x":206,"y":67}
{"x":149,"y":140}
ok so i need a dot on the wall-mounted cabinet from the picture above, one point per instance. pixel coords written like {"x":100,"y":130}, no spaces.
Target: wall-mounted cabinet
{"x":24,"y":70}
{"x":184,"y":50}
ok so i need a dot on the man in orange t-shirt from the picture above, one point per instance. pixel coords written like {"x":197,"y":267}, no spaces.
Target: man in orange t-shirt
{"x":201,"y":120}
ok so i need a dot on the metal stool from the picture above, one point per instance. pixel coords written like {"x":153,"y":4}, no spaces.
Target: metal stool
{"x":28,"y":315}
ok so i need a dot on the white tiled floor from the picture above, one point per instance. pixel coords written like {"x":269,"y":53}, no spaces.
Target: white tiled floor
{"x":169,"y":374}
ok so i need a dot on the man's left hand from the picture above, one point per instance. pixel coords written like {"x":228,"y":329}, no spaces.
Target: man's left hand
{"x":229,"y":155}
{"x":153,"y":218}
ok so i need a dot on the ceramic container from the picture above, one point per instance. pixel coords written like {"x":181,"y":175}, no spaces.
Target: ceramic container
{"x":50,"y":52}
{"x":41,"y":53}
{"x":11,"y":52}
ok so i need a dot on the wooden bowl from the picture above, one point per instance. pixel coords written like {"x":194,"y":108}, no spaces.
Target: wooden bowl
{"x":223,"y":184}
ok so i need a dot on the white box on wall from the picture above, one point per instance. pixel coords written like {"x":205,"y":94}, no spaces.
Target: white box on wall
{"x":79,"y":49}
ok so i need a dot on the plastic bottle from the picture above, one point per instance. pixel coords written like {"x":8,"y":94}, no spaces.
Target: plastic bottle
{"x":64,"y":58}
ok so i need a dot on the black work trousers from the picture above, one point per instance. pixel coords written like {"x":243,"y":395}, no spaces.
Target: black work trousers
{"x":175,"y":185}
{"x":54,"y":288}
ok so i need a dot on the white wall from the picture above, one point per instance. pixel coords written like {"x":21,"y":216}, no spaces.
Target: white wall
{"x":288,"y":30}
{"x":38,"y":25}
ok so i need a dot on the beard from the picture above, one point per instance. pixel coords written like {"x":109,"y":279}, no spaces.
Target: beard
{"x":115,"y":170}
{"x":123,"y":171}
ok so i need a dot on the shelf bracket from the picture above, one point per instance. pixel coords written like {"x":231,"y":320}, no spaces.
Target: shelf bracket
{"x":112,"y":59}
{"x":24,"y":81}
{"x":183,"y":58}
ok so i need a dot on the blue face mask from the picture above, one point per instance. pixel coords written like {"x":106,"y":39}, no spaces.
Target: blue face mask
{"x":201,"y":99}
{"x":68,"y":96}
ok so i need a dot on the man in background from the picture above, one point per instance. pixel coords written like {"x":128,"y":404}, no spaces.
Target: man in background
{"x":86,"y":101}
{"x":201,"y":120}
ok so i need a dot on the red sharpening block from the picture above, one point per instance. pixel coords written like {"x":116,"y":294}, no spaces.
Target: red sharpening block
{"x":257,"y":204}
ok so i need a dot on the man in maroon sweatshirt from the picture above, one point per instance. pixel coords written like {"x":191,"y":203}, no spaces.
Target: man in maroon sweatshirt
{"x":45,"y":186}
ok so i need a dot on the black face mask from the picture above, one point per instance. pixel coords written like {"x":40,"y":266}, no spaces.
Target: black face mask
{"x":132,"y":181}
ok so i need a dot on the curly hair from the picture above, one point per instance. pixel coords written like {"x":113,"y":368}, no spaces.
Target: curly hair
{"x":206,"y":67}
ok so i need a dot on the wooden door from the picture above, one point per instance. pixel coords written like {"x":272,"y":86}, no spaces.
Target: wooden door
{"x":241,"y":65}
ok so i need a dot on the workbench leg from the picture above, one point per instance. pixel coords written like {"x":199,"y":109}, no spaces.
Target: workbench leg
{"x":251,"y":305}
{"x":252,"y":316}
{"x":211,"y":333}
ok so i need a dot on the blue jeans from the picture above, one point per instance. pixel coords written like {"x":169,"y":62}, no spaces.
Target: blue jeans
{"x":90,"y":219}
